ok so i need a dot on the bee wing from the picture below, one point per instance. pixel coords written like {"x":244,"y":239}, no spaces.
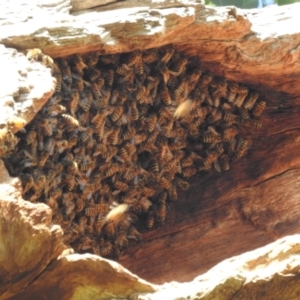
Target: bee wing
{"x":217,"y":165}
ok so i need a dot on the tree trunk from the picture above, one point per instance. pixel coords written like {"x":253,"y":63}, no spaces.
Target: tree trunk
{"x":222,"y":214}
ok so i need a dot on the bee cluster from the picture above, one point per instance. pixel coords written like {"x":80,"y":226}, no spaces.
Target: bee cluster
{"x":120,"y":134}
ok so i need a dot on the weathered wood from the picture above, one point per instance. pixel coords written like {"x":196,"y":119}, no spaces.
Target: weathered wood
{"x":222,"y":214}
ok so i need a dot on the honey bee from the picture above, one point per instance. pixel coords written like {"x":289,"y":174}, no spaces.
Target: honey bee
{"x":134,"y":111}
{"x":77,"y":59}
{"x":109,"y":78}
{"x":164,"y":182}
{"x":85,"y":135}
{"x":134,"y":57}
{"x":73,"y":103}
{"x":54,"y":110}
{"x":249,"y":103}
{"x":47,"y":129}
{"x":232,"y":91}
{"x":179,"y":67}
{"x":189,"y":171}
{"x":139,"y":138}
{"x":109,"y":59}
{"x":121,"y":240}
{"x":243,"y":113}
{"x":230,"y":117}
{"x":183,"y":109}
{"x":134,"y":234}
{"x":150,"y":219}
{"x":205,"y":80}
{"x":47,"y":61}
{"x":242,"y":146}
{"x":65,"y":71}
{"x":90,"y":211}
{"x":70,"y":121}
{"x":161,"y":212}
{"x":121,"y":186}
{"x":182,"y":184}
{"x":252,"y":123}
{"x":27,"y":182}
{"x":229,"y":133}
{"x":165,"y":96}
{"x":86,"y":102}
{"x":93,"y":74}
{"x":259,"y":108}
{"x":242,"y":94}
{"x":15,"y":124}
{"x":151,"y":125}
{"x":106,"y":249}
{"x":92,"y":59}
{"x":124,"y":70}
{"x":39,"y":184}
{"x":30,"y":137}
{"x":80,"y":206}
{"x":34,"y":54}
{"x":224,"y":162}
{"x":211,"y":138}
{"x":117,"y":113}
{"x":58,"y":77}
{"x":150,"y":56}
{"x":164,"y":71}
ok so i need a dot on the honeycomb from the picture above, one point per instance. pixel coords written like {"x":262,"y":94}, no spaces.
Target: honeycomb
{"x":121,"y":134}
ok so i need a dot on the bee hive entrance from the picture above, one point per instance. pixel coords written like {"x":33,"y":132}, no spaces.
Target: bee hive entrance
{"x":121,"y":134}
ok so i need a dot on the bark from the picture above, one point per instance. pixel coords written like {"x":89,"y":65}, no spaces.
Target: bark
{"x":254,"y":203}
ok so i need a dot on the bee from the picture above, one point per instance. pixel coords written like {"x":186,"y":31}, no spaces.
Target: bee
{"x":110,"y":59}
{"x":27,"y":182}
{"x":242,"y":146}
{"x":70,"y":121}
{"x":211,"y":138}
{"x":80,"y":206}
{"x":189,"y":171}
{"x":150,"y":219}
{"x":111,"y":170}
{"x":164,"y":182}
{"x":240,"y":98}
{"x":39,"y":184}
{"x":230,"y":117}
{"x":134,"y":234}
{"x":106,"y":249}
{"x":54,"y":110}
{"x":73,"y":103}
{"x":181,"y":92}
{"x":232,"y":91}
{"x":164,"y":71}
{"x":30,"y":137}
{"x":117,"y":113}
{"x":121,"y":186}
{"x":79,"y":85}
{"x":243,"y":113}
{"x":134,"y":111}
{"x":34,"y":54}
{"x":44,"y":155}
{"x":227,"y":106}
{"x":58,"y":77}
{"x":92,"y":59}
{"x":139,"y":138}
{"x":252,"y":123}
{"x":179,"y":67}
{"x":47,"y":61}
{"x":150,"y":56}
{"x":113,"y":137}
{"x":93,"y":74}
{"x":86,"y":102}
{"x":249,"y":103}
{"x":141,"y":95}
{"x":65,"y":71}
{"x":47,"y":129}
{"x":229,"y":133}
{"x":148,"y":192}
{"x":259,"y":108}
{"x":183,"y":109}
{"x":224,"y":162}
{"x":169,"y":51}
{"x":124,"y":70}
{"x":134,"y":57}
{"x":90,"y":211}
{"x":15,"y":124}
{"x":184,"y":185}
{"x":109,"y":78}
{"x":151,"y":125}
{"x":121,"y":240}
{"x":165,"y":96}
{"x":154,"y":167}
{"x":77,"y":59}
{"x":205,"y":80}
{"x":161,"y":212}
{"x":85,"y":135}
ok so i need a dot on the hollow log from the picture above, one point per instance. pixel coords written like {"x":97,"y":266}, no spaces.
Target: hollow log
{"x":222,"y":214}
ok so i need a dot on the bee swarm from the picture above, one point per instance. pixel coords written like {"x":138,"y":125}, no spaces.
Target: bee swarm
{"x":120,"y":134}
